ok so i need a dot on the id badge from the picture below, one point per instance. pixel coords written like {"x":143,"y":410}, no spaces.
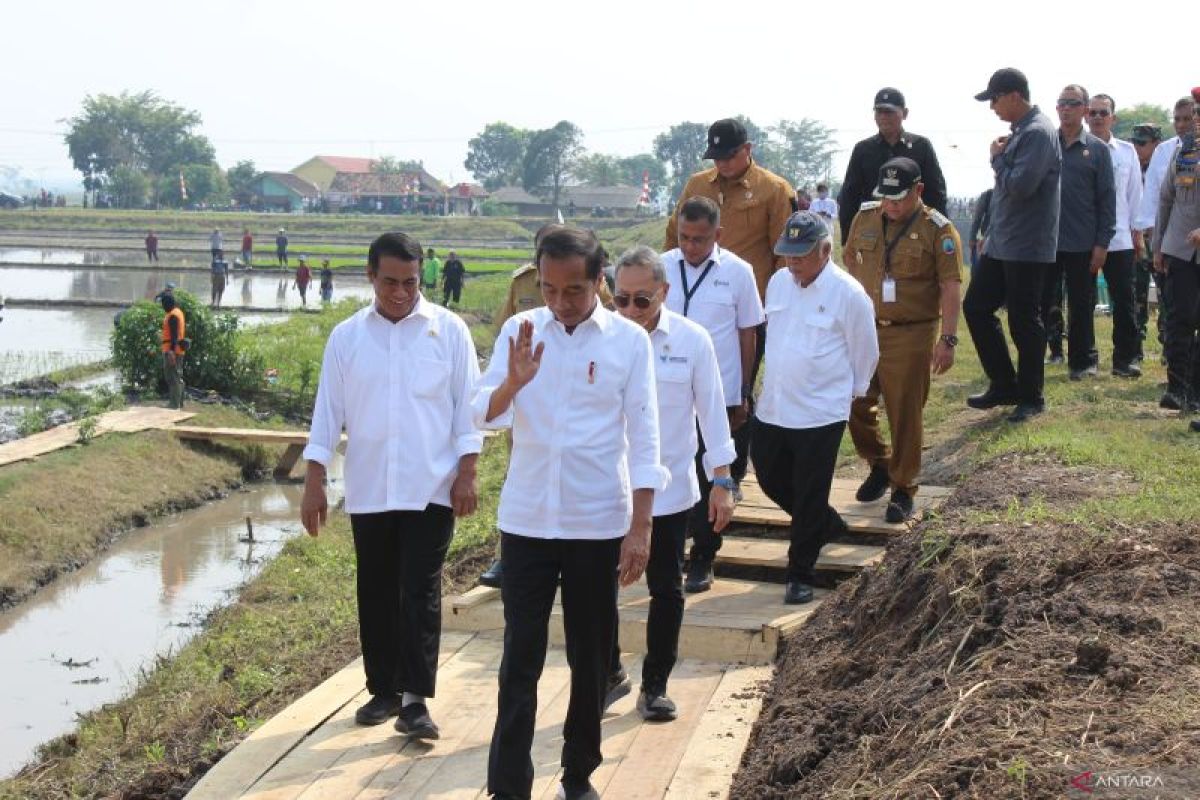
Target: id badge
{"x":889,"y":290}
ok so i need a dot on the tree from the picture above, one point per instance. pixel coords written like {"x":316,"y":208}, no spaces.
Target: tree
{"x":129,"y":186}
{"x":682,"y":148}
{"x":141,"y":132}
{"x":1142,"y":113}
{"x":599,"y":169}
{"x":803,"y":151}
{"x":241,"y":178}
{"x":633,"y":167}
{"x":496,"y":156}
{"x":390,"y":165}
{"x":551,"y":156}
{"x":206,"y":185}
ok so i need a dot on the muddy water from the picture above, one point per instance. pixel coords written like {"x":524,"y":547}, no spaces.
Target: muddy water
{"x":29,"y":255}
{"x":83,"y":641}
{"x":127,"y":285}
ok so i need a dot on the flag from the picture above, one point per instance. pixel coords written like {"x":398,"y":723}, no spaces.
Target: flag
{"x":561,"y":221}
{"x":182,"y":187}
{"x":644,"y":200}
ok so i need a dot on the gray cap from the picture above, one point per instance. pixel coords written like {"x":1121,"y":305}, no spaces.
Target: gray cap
{"x":803,"y":231}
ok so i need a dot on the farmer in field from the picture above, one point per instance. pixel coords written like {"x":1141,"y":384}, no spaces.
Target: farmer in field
{"x":452,"y":279}
{"x":281,"y":247}
{"x":174,"y":330}
{"x":821,"y":354}
{"x":575,"y":382}
{"x":913,"y":283}
{"x":151,"y":246}
{"x":216,"y":244}
{"x":398,"y":378}
{"x":303,"y":278}
{"x":247,"y":249}
{"x":431,"y":270}
{"x":688,"y":379}
{"x":220,"y":276}
{"x":326,"y":282}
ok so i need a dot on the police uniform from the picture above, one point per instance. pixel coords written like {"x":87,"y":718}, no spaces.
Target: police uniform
{"x":525,"y":293}
{"x":924,"y":254}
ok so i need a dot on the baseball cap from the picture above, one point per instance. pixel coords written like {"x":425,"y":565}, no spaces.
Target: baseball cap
{"x":891,"y":98}
{"x":1004,"y":81}
{"x":1144,"y":133}
{"x":802,"y":232}
{"x":896,"y":177}
{"x":725,"y":136}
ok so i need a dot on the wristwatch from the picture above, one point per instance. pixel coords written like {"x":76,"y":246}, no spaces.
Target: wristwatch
{"x":949,"y":339}
{"x":728,"y":484}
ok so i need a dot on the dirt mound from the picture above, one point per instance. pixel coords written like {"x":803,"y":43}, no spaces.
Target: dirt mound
{"x":987,"y":658}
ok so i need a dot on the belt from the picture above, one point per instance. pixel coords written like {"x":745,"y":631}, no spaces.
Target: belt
{"x":887,"y":323}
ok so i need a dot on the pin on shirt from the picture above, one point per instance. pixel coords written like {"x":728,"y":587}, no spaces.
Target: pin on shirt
{"x":591,"y":372}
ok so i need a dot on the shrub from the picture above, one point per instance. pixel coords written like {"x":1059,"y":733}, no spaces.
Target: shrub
{"x":214,"y":360}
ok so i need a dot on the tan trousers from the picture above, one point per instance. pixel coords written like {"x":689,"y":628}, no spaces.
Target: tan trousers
{"x":902,"y":378}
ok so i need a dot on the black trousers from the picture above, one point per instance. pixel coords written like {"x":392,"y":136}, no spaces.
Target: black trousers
{"x":1142,"y":270}
{"x":1118,"y":274}
{"x":400,"y":556}
{"x":664,"y":578}
{"x":1017,"y":285}
{"x":1052,"y":307}
{"x":1182,"y":350}
{"x":1081,"y":309}
{"x":705,"y":541}
{"x":451,"y":290}
{"x":795,"y":469}
{"x":532,"y":569}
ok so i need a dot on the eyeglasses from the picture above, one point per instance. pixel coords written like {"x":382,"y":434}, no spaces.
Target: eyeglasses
{"x":1069,"y":102}
{"x":639,"y":300}
{"x":1098,"y":112}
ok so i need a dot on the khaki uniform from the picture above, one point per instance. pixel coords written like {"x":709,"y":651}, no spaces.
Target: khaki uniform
{"x":926,"y":256}
{"x":754,"y":210}
{"x":524,"y":293}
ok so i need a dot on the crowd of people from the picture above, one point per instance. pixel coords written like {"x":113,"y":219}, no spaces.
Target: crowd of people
{"x":632,"y":415}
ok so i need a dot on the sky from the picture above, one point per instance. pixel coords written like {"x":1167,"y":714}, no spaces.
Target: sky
{"x":279,"y":82}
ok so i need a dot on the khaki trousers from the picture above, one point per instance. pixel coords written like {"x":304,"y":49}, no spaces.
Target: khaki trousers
{"x":902,"y":378}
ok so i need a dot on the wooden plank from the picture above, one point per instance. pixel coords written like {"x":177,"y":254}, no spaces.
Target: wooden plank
{"x":288,"y":460}
{"x":647,"y":768}
{"x":719,"y":736}
{"x":473,"y":597}
{"x":271,"y":742}
{"x":752,"y":552}
{"x":240,"y":435}
{"x":125,"y":420}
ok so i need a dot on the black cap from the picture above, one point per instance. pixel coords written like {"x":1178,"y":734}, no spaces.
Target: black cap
{"x":1144,"y":133}
{"x":1004,"y":81}
{"x":725,"y":136}
{"x":887,"y":97}
{"x":803,"y":231}
{"x":896,"y":177}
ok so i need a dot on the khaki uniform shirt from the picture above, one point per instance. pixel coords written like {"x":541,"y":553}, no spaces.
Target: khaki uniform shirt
{"x":754,"y":210}
{"x":927,"y":255}
{"x":524,"y":293}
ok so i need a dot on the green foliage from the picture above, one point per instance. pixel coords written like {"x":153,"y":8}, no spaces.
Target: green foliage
{"x":551,"y":156}
{"x":241,"y":178}
{"x":390,"y":165}
{"x":495,"y":157}
{"x":1142,"y":113}
{"x":682,"y":148}
{"x":206,"y":184}
{"x":492,"y":208}
{"x":129,"y":186}
{"x":214,"y":361}
{"x":87,"y":428}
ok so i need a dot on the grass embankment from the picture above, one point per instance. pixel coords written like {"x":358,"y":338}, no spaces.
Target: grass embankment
{"x":290,"y":628}
{"x":57,"y":512}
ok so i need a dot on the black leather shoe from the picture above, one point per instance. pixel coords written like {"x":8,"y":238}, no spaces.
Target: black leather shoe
{"x":1171,"y":401}
{"x":797,"y":592}
{"x":992,"y":398}
{"x":618,"y":686}
{"x":415,"y":721}
{"x":699,"y":576}
{"x":656,"y":707}
{"x":1024,"y":411}
{"x":1127,"y":371}
{"x":378,"y":709}
{"x":577,"y":791}
{"x":874,"y":486}
{"x":900,"y":507}
{"x":493,"y":575}
{"x":1055,"y":358}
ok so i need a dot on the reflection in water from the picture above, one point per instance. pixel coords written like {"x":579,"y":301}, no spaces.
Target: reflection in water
{"x":140,"y":599}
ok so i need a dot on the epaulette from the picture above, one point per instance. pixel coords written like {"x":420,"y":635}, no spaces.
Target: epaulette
{"x":870,"y":204}
{"x":938,"y":218}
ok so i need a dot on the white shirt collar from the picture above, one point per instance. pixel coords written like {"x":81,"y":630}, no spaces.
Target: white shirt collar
{"x":422,"y":308}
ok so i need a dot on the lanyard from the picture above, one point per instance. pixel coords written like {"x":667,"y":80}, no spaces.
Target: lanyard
{"x":887,"y":251}
{"x":689,"y":293}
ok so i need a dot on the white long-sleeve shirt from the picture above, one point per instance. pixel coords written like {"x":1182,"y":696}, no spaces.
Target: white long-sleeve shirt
{"x":1160,"y":162}
{"x":402,"y":391}
{"x":689,"y":388}
{"x":1127,"y":176}
{"x":822,"y":349}
{"x":571,"y":473}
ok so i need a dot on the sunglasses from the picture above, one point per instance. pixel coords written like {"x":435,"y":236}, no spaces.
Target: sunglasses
{"x":1098,"y":112}
{"x":639,"y":301}
{"x":1069,"y":102}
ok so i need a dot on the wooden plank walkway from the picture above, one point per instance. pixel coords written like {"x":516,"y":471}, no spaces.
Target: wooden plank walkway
{"x":126,"y":420}
{"x":313,"y":749}
{"x":757,"y":509}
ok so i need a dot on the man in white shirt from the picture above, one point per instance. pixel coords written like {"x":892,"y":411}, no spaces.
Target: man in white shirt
{"x":688,"y":380}
{"x":398,"y":376}
{"x":821,"y":354}
{"x":1118,"y":264}
{"x":715,"y":288}
{"x":575,"y":382}
{"x":825,"y":206}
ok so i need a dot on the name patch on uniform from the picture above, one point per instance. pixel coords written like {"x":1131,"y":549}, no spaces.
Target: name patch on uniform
{"x":948,"y":246}
{"x":719,"y":282}
{"x":668,"y":359}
